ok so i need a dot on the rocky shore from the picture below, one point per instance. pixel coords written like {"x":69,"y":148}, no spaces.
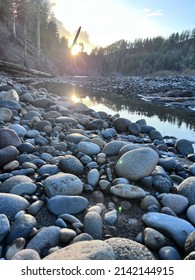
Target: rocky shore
{"x":80,"y":184}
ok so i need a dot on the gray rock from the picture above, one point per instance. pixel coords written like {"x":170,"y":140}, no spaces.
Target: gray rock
{"x":121,"y":125}
{"x":60,"y":204}
{"x":95,"y":124}
{"x":162,"y":184}
{"x":88,"y":148}
{"x":67,"y":120}
{"x":26,"y":148}
{"x":35,"y":207}
{"x":184,"y":146}
{"x":50,"y":169}
{"x":191,"y":256}
{"x":75,"y":137}
{"x":175,"y":228}
{"x":17,"y":245}
{"x":4,"y":226}
{"x":187,"y":189}
{"x":155,"y":134}
{"x":129,"y":147}
{"x":27,"y":97}
{"x":70,"y":164}
{"x":41,"y":124}
{"x":178,"y":203}
{"x":10,"y":104}
{"x":93,"y":224}
{"x":41,"y":140}
{"x":146,"y":128}
{"x":22,"y":227}
{"x":109,"y":133}
{"x":111,"y":217}
{"x":8,"y":184}
{"x":62,"y":184}
{"x":82,"y":237}
{"x":104,"y":185}
{"x":11,"y":204}
{"x":128,"y":191}
{"x":84,"y":250}
{"x":45,"y":239}
{"x":153,"y":239}
{"x":137,"y":164}
{"x":9,"y":95}
{"x":168,"y":163}
{"x":190,"y":243}
{"x":169,"y":253}
{"x":7,"y":155}
{"x":42,"y":103}
{"x":191,"y":214}
{"x":133,"y":128}
{"x":93,"y":177}
{"x":8,"y":137}
{"x":19,"y":129}
{"x":26,"y":254}
{"x":113,"y":147}
{"x":24,"y":188}
{"x":5,"y":114}
{"x":66,"y":235}
{"x":126,"y":249}
{"x":32,"y":133}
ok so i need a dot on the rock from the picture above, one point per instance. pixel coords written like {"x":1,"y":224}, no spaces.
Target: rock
{"x":35,"y":207}
{"x":26,"y":254}
{"x":154,"y":134}
{"x":184,"y":146}
{"x":12,"y":165}
{"x":70,"y":164}
{"x":10,"y":104}
{"x":30,"y":115}
{"x":93,"y":224}
{"x":51,"y":115}
{"x":169,"y":253}
{"x":41,"y":140}
{"x":41,"y":124}
{"x":5,"y":114}
{"x":9,"y":95}
{"x":17,"y":245}
{"x":7,"y":155}
{"x":27,"y":97}
{"x":32,"y":133}
{"x":62,"y":184}
{"x":84,"y":250}
{"x":137,"y":164}
{"x":66,"y":120}
{"x":178,"y":203}
{"x":42,"y":103}
{"x":50,"y":169}
{"x":11,"y":204}
{"x":95,"y":124}
{"x":168,"y":164}
{"x":66,"y":235}
{"x":191,"y":214}
{"x":4,"y":226}
{"x":60,"y":204}
{"x":121,"y":125}
{"x":8,"y":137}
{"x":27,"y":148}
{"x":190,"y":243}
{"x":162,"y":184}
{"x":129,"y":147}
{"x":133,"y":128}
{"x":109,"y":133}
{"x":75,"y":137}
{"x":128,"y":191}
{"x":45,"y":239}
{"x":22,"y":227}
{"x":187,"y":189}
{"x":8,"y":184}
{"x":113,"y":147}
{"x":126,"y":249}
{"x":88,"y":148}
{"x":24,"y":188}
{"x":93,"y":177}
{"x":175,"y":228}
{"x":111,"y":217}
{"x":146,"y":128}
{"x":82,"y":237}
{"x":19,"y":129}
{"x":153,"y":239}
{"x":191,"y":256}
{"x":5,"y":88}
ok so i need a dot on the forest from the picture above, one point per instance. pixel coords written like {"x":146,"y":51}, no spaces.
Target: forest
{"x":30,"y":36}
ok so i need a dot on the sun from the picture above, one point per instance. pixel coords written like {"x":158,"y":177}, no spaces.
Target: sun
{"x":75,"y":50}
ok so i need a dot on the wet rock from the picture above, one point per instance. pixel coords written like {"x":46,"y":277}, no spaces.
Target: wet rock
{"x":126,"y":249}
{"x":60,"y":204}
{"x":178,"y":203}
{"x":187,"y":189}
{"x":11,"y":204}
{"x":128,"y":191}
{"x":8,"y":137}
{"x":88,"y":148}
{"x":93,"y":224}
{"x":96,"y":250}
{"x":62,"y":184}
{"x":169,"y":253}
{"x":71,"y":164}
{"x":175,"y":228}
{"x":7,"y":155}
{"x":184,"y":146}
{"x":4,"y":226}
{"x":137,"y":164}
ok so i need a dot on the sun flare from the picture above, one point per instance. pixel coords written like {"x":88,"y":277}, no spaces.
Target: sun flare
{"x":75,"y":50}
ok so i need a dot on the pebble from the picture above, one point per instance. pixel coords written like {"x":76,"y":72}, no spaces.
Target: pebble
{"x":128,"y":191}
{"x":5,"y":114}
{"x":75,"y":137}
{"x":191,"y":214}
{"x":169,"y":253}
{"x":176,"y":228}
{"x":70,"y":164}
{"x":187,"y":189}
{"x":10,"y":95}
{"x":35,"y":207}
{"x":93,"y":177}
{"x":61,"y":204}
{"x":16,"y":246}
{"x":88,"y":148}
{"x":121,"y":124}
{"x":184,"y":146}
{"x":111,"y":217}
{"x":8,"y":137}
{"x":153,"y":239}
{"x":113,"y":147}
{"x":50,"y":169}
{"x":8,"y":184}
{"x":4,"y":226}
{"x":137,"y":164}
{"x":178,"y":203}
{"x":62,"y":184}
{"x":7,"y":155}
{"x":93,"y":224}
{"x":149,"y":200}
{"x":96,"y":250}
{"x":10,"y":104}
{"x":66,"y":235}
{"x":24,"y":188}
{"x":11,"y":165}
{"x":162,"y":184}
{"x":19,"y":129}
{"x":82,"y":237}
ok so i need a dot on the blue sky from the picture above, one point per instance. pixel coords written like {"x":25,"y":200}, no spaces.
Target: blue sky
{"x":107,"y":21}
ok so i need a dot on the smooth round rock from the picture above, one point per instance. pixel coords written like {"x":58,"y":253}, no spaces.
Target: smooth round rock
{"x":70,"y":164}
{"x":7,"y":155}
{"x":8,"y":184}
{"x":184,"y":147}
{"x":9,"y":95}
{"x":128,"y":191}
{"x":133,"y":129}
{"x":191,"y":214}
{"x":111,"y":217}
{"x":66,"y":235}
{"x":162,"y":184}
{"x":11,"y":204}
{"x":82,"y":237}
{"x":4,"y":226}
{"x":17,"y":245}
{"x":178,"y":203}
{"x":175,"y":228}
{"x":10,"y":104}
{"x":169,"y":253}
{"x":46,"y":238}
{"x":26,"y":148}
{"x":137,"y":164}
{"x":88,"y":148}
{"x":75,"y":137}
{"x":127,"y":249}
{"x":153,"y":239}
{"x":24,"y":188}
{"x":61,"y":204}
{"x":187,"y":189}
{"x":19,"y":129}
{"x":93,"y":224}
{"x":41,"y":140}
{"x":62,"y":184}
{"x":26,"y":254}
{"x":5,"y":114}
{"x":129,"y":147}
{"x":113,"y":147}
{"x":8,"y":137}
{"x":155,"y":134}
{"x":121,"y":124}
{"x":84,"y":250}
{"x":93,"y":177}
{"x":50,"y":169}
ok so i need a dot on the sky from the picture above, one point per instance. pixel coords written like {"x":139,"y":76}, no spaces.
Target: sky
{"x":107,"y":21}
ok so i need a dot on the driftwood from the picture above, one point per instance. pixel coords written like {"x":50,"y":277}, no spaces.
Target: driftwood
{"x":19,"y":69}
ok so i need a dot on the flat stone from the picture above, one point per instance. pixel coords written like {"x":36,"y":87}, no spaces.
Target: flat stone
{"x":7,"y":155}
{"x":8,"y":137}
{"x":176,"y":228}
{"x":70,"y":164}
{"x":11,"y":204}
{"x":126,"y":249}
{"x":4,"y":226}
{"x":61,"y":204}
{"x":178,"y":203}
{"x":88,"y":148}
{"x":137,"y":164}
{"x":128,"y":191}
{"x":8,"y":184}
{"x":187,"y":189}
{"x":84,"y":250}
{"x":62,"y":184}
{"x":93,"y":224}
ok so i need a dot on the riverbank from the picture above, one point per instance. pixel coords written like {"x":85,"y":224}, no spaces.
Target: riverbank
{"x":73,"y":178}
